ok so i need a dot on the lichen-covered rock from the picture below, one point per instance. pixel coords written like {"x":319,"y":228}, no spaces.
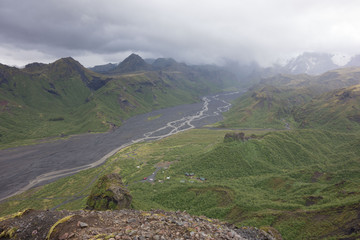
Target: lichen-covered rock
{"x":124,"y":224}
{"x":109,"y":192}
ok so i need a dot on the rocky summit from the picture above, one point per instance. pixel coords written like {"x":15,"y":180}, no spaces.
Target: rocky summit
{"x":122,"y":224}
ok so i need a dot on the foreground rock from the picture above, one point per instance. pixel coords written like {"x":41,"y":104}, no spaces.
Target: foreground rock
{"x":121,"y":224}
{"x":109,"y":193}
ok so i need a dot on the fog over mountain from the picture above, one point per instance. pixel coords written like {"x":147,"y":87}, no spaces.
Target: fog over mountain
{"x":194,"y":32}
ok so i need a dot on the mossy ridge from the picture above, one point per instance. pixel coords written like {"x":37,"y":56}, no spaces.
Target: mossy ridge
{"x":52,"y":229}
{"x":9,"y":233}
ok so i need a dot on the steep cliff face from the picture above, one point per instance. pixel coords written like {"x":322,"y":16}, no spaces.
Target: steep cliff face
{"x":123,"y":224}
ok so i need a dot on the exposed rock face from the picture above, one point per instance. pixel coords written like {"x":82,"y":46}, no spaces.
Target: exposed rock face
{"x":109,"y":192}
{"x":123,"y":224}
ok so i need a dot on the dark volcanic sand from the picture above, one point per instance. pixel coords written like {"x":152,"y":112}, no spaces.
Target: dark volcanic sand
{"x":21,"y":165}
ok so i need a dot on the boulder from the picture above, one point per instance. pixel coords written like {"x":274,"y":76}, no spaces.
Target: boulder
{"x":109,"y":193}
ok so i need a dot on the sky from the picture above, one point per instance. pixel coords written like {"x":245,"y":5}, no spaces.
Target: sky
{"x":97,"y":32}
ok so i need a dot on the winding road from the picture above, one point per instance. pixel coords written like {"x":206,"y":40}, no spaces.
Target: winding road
{"x":26,"y":167}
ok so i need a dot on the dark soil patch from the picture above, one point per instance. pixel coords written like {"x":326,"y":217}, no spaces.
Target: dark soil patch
{"x":315,"y":177}
{"x":311,"y":200}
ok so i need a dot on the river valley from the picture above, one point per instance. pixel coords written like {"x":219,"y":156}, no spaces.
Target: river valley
{"x":25,"y":167}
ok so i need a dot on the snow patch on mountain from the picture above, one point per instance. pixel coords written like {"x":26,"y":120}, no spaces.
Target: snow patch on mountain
{"x":341,"y":59}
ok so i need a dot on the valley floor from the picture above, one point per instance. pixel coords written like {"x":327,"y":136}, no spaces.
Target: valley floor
{"x":30,"y":166}
{"x":304,"y":183}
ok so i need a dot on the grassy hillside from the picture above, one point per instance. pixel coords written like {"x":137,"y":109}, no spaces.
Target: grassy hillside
{"x":300,"y":101}
{"x":304,"y":183}
{"x":61,"y":98}
{"x":266,"y":106}
{"x":46,"y":100}
{"x":336,"y":110}
{"x":331,"y":80}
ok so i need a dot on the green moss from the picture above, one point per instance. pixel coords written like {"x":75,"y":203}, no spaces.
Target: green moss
{"x":15,"y":215}
{"x":103,"y":198}
{"x":10,"y":233}
{"x":52,"y":229}
{"x":154,"y":117}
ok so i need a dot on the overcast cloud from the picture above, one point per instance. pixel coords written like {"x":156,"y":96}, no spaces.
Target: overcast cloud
{"x":193,"y":31}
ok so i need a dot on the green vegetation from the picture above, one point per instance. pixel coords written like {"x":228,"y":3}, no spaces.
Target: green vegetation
{"x":154,"y":117}
{"x":296,"y":168}
{"x":10,"y":233}
{"x":283,"y":179}
{"x":63,"y":98}
{"x":282,"y":108}
{"x":52,"y":229}
{"x":266,"y":106}
{"x":109,"y":193}
{"x":336,"y":110}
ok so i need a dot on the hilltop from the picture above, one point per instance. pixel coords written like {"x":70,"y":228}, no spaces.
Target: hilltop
{"x":133,"y":63}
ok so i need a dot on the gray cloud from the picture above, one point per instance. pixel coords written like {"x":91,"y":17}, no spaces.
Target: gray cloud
{"x":202,"y":31}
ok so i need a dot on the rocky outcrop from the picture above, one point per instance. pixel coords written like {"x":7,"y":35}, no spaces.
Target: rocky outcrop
{"x":122,"y":224}
{"x":109,"y":193}
{"x":233,"y":136}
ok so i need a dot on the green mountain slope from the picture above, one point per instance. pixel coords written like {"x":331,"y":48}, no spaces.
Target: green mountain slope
{"x":265,"y":106}
{"x":283,"y":179}
{"x":63,"y":97}
{"x":336,"y":110}
{"x":304,"y":182}
{"x":300,"y":101}
{"x":331,"y":80}
{"x":44,"y":100}
{"x":133,"y":63}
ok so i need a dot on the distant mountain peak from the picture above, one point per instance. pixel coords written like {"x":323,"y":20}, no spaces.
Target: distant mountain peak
{"x":133,"y":56}
{"x":310,"y":63}
{"x":35,"y":66}
{"x":354,"y":61}
{"x":67,"y":60}
{"x":162,"y":63}
{"x":103,"y":68}
{"x":132,"y":63}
